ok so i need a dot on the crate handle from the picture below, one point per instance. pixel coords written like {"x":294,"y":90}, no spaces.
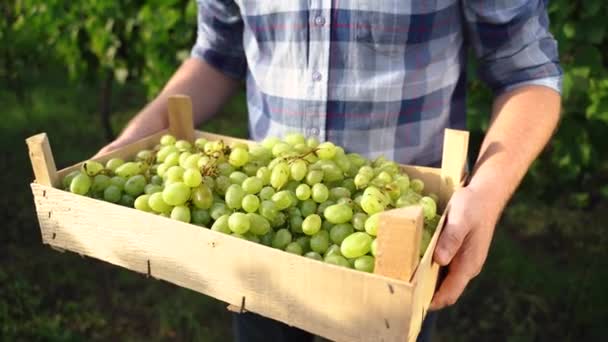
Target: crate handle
{"x":42,"y":160}
{"x":453,"y":161}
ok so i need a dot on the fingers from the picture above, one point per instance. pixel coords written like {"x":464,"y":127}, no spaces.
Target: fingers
{"x":450,"y":240}
{"x":452,"y":286}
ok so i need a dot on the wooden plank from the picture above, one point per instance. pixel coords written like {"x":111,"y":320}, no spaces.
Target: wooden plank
{"x":181,"y":123}
{"x":42,"y":160}
{"x":126,"y":152}
{"x":334,"y":302}
{"x":453,"y":161}
{"x":399,"y":236}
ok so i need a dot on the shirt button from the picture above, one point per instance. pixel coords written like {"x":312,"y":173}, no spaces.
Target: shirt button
{"x":316,"y":76}
{"x":319,"y":20}
{"x":314,"y":131}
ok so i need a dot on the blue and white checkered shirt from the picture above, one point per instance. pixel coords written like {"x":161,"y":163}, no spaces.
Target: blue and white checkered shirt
{"x":378,"y":77}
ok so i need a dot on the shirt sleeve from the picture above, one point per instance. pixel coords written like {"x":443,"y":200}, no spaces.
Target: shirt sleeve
{"x":219,"y":39}
{"x":513,"y":44}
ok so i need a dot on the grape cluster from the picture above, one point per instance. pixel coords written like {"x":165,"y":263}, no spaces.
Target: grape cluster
{"x":295,"y":194}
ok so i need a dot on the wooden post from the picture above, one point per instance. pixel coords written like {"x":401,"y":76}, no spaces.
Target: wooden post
{"x":181,"y":123}
{"x":453,"y":161}
{"x":42,"y":160}
{"x":399,"y":236}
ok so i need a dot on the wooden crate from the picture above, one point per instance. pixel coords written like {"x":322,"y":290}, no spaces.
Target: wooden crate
{"x":334,"y":302}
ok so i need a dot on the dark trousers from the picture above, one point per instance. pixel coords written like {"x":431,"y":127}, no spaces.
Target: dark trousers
{"x":249,"y":327}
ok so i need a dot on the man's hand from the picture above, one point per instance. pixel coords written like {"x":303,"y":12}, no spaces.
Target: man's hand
{"x":464,"y":243}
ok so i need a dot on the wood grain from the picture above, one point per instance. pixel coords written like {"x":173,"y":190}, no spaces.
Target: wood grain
{"x":181,"y":123}
{"x":42,"y":160}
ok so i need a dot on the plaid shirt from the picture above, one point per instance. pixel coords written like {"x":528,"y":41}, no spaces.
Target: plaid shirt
{"x":377,"y":77}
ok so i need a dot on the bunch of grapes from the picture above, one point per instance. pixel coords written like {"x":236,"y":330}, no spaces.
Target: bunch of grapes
{"x":296,"y":194}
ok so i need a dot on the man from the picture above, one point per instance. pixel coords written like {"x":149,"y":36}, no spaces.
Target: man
{"x":382,"y":77}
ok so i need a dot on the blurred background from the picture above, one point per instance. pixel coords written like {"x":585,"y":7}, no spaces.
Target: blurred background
{"x":79,"y":70}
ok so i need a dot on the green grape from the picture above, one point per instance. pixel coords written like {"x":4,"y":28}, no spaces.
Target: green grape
{"x":218,"y":209}
{"x":221,"y":184}
{"x":161,"y":170}
{"x":372,"y":201}
{"x":175,"y":173}
{"x":209,"y":181}
{"x":259,"y":224}
{"x":434,"y":197}
{"x":365,"y":263}
{"x":338,"y":213}
{"x":114,"y":163}
{"x":200,"y":217}
{"x":326,"y":225}
{"x":192,"y":162}
{"x":192,"y":178}
{"x":392,"y":190}
{"x":239,"y":223}
{"x":260,"y":153}
{"x":282,"y":199}
{"x":359,"y":220}
{"x":331,"y":172}
{"x":319,"y":242}
{"x":263,"y":173}
{"x":295,"y":223}
{"x":100,"y":183}
{"x":112,"y":194}
{"x":202,"y":197}
{"x":339,"y":192}
{"x":292,"y":186}
{"x":252,"y":185}
{"x":167,"y":139}
{"x":80,"y":184}
{"x":304,"y":242}
{"x":356,"y":245}
{"x":342,"y":162}
{"x":135,"y":185}
{"x":403,"y":181}
{"x":337,"y":260}
{"x":152,"y":188}
{"x":280,"y":149}
{"x":238,"y":157}
{"x":239,"y":144}
{"x":320,"y":193}
{"x":267,"y":238}
{"x":221,"y":224}
{"x":312,"y":142}
{"x":181,"y":213}
{"x":314,"y":177}
{"x":321,"y":208}
{"x":266,"y":193}
{"x":339,"y":232}
{"x":298,"y":169}
{"x":172,"y":159}
{"x":91,"y":167}
{"x":128,"y":169}
{"x":384,"y":178}
{"x":303,"y":192}
{"x":252,"y":237}
{"x":294,"y":139}
{"x":361,"y":181}
{"x":294,"y":211}
{"x":144,"y":155}
{"x":269,"y":142}
{"x":279,"y":175}
{"x":326,"y":150}
{"x":417,"y":185}
{"x":372,"y":223}
{"x":200,"y":143}
{"x":127,"y":200}
{"x":158,"y":204}
{"x":308,"y":207}
{"x":234,"y":196}
{"x":311,"y":224}
{"x":429,"y":207}
{"x":374,"y":247}
{"x":162,"y":154}
{"x":225,"y":169}
{"x":67,"y":180}
{"x":332,"y":250}
{"x":118,"y":182}
{"x":314,"y":255}
{"x":141,"y":203}
{"x":302,"y":148}
{"x":176,"y":193}
{"x":281,"y":239}
{"x":250,"y":203}
{"x":349,"y":184}
{"x":279,"y":220}
{"x":269,"y":210}
{"x":183,"y":145}
{"x":294,"y":248}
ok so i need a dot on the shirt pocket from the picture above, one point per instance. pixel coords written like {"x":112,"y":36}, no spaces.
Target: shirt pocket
{"x":384,"y":33}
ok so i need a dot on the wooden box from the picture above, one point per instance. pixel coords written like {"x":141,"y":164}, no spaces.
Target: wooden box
{"x":334,"y":302}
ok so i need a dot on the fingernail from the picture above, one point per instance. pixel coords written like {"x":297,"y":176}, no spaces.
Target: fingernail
{"x":441,"y":256}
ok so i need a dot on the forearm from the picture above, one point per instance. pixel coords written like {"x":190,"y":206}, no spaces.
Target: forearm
{"x":208,"y":88}
{"x":523,"y":121}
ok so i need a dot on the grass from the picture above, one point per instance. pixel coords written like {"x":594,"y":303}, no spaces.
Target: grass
{"x":544,"y":280}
